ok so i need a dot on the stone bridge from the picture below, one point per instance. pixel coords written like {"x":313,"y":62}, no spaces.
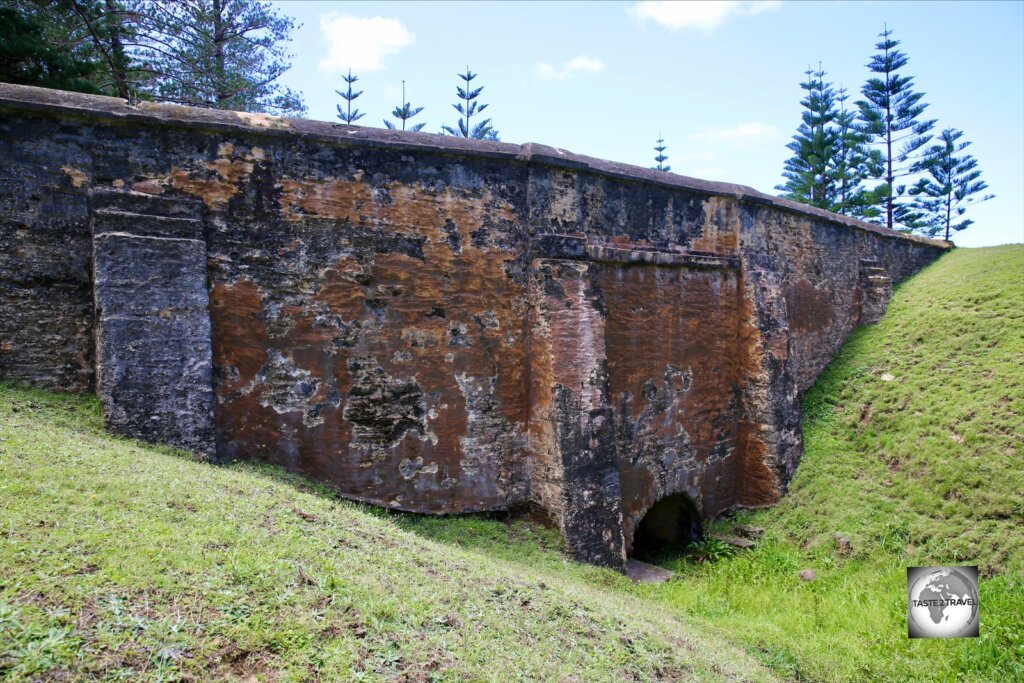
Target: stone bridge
{"x":427,"y":323}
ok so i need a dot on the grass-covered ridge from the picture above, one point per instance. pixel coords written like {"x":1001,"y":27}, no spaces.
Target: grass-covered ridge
{"x":118,"y":559}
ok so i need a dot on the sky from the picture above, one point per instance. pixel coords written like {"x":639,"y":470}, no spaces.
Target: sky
{"x":719,"y":81}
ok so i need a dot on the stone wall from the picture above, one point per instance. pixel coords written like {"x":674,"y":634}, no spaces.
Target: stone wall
{"x":431,"y":324}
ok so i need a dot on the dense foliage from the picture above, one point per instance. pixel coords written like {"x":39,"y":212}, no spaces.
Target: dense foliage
{"x":227,"y":54}
{"x":70,"y":45}
{"x":952,"y":184}
{"x":890,"y":113}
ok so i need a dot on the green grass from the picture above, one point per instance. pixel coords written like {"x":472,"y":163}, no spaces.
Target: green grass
{"x":119,"y":560}
{"x":926,"y":468}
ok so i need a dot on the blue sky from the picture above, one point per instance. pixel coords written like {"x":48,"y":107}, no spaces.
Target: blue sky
{"x":719,"y":80}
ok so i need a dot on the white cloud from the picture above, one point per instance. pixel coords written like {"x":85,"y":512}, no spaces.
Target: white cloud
{"x":706,"y":15}
{"x":741,"y":133}
{"x":361,"y":43}
{"x":574,"y":67}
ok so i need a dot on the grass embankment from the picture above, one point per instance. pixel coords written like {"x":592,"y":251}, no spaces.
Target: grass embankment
{"x":914,"y":452}
{"x":120,"y":561}
{"x":117,"y":559}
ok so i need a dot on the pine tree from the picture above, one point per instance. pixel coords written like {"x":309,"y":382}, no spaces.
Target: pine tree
{"x":809,"y":172}
{"x":404,"y":113}
{"x":890,"y":114}
{"x":947,"y":194}
{"x":347,"y":115}
{"x":226,"y":54}
{"x":661,"y":158}
{"x":853,"y":163}
{"x":111,"y":27}
{"x":66,"y":44}
{"x":468,"y":108}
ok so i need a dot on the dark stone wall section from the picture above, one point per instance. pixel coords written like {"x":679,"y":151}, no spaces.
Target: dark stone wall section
{"x":427,"y":323}
{"x":773,"y":438}
{"x":152,"y":319}
{"x":46,"y":322}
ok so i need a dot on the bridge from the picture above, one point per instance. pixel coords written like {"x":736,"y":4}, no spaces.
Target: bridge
{"x":428,"y":323}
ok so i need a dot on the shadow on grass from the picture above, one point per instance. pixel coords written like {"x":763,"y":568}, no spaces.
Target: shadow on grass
{"x":523,"y":537}
{"x":509,"y":535}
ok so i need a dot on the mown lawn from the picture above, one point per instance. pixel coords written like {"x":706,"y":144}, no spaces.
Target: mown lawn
{"x":123,"y":561}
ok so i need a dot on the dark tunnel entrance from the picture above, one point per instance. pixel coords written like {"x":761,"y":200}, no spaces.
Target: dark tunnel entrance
{"x":671,"y":524}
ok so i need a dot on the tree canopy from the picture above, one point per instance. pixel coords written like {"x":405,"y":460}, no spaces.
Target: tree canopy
{"x":951,"y":186}
{"x":890,"y":113}
{"x":227,"y":54}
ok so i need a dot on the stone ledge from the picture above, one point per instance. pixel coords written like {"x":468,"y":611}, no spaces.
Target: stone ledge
{"x":124,"y":224}
{"x":571,"y":247}
{"x":110,"y":200}
{"x":641,"y":572}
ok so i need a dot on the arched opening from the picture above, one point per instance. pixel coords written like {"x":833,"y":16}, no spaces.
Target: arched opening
{"x":671,"y":524}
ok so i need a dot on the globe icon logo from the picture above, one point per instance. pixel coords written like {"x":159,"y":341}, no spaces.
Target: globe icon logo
{"x":942,"y":602}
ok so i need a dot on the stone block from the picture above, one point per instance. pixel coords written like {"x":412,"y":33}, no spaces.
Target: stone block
{"x":153,"y":352}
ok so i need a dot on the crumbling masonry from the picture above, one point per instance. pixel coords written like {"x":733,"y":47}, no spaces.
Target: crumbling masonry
{"x":426,"y":323}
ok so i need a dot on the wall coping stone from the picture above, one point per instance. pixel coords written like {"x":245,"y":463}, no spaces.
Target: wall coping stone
{"x":23,"y":98}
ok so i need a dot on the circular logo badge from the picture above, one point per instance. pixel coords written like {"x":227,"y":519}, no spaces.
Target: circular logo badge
{"x":944,"y":604}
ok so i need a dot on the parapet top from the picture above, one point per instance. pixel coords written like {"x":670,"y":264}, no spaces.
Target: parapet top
{"x":85,"y":106}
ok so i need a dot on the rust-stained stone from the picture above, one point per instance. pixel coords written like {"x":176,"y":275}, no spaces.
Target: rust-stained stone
{"x":428,"y":323}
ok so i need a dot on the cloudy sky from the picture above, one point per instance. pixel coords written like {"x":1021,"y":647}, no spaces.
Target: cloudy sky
{"x":718,"y":80}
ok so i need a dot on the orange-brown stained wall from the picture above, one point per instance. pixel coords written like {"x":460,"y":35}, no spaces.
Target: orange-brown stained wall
{"x":370,"y":332}
{"x":376,"y":338}
{"x":565,"y":348}
{"x":390,"y":364}
{"x":674,"y":373}
{"x":369,"y":307}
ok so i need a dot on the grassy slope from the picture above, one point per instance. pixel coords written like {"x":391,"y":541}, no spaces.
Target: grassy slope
{"x":119,"y":556}
{"x":123,"y":561}
{"x":927,"y":468}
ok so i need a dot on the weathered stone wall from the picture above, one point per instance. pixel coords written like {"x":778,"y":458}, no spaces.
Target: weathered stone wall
{"x":824,"y":266}
{"x":426,"y":323}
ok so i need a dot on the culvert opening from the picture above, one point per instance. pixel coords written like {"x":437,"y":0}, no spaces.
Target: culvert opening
{"x":669,"y":526}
